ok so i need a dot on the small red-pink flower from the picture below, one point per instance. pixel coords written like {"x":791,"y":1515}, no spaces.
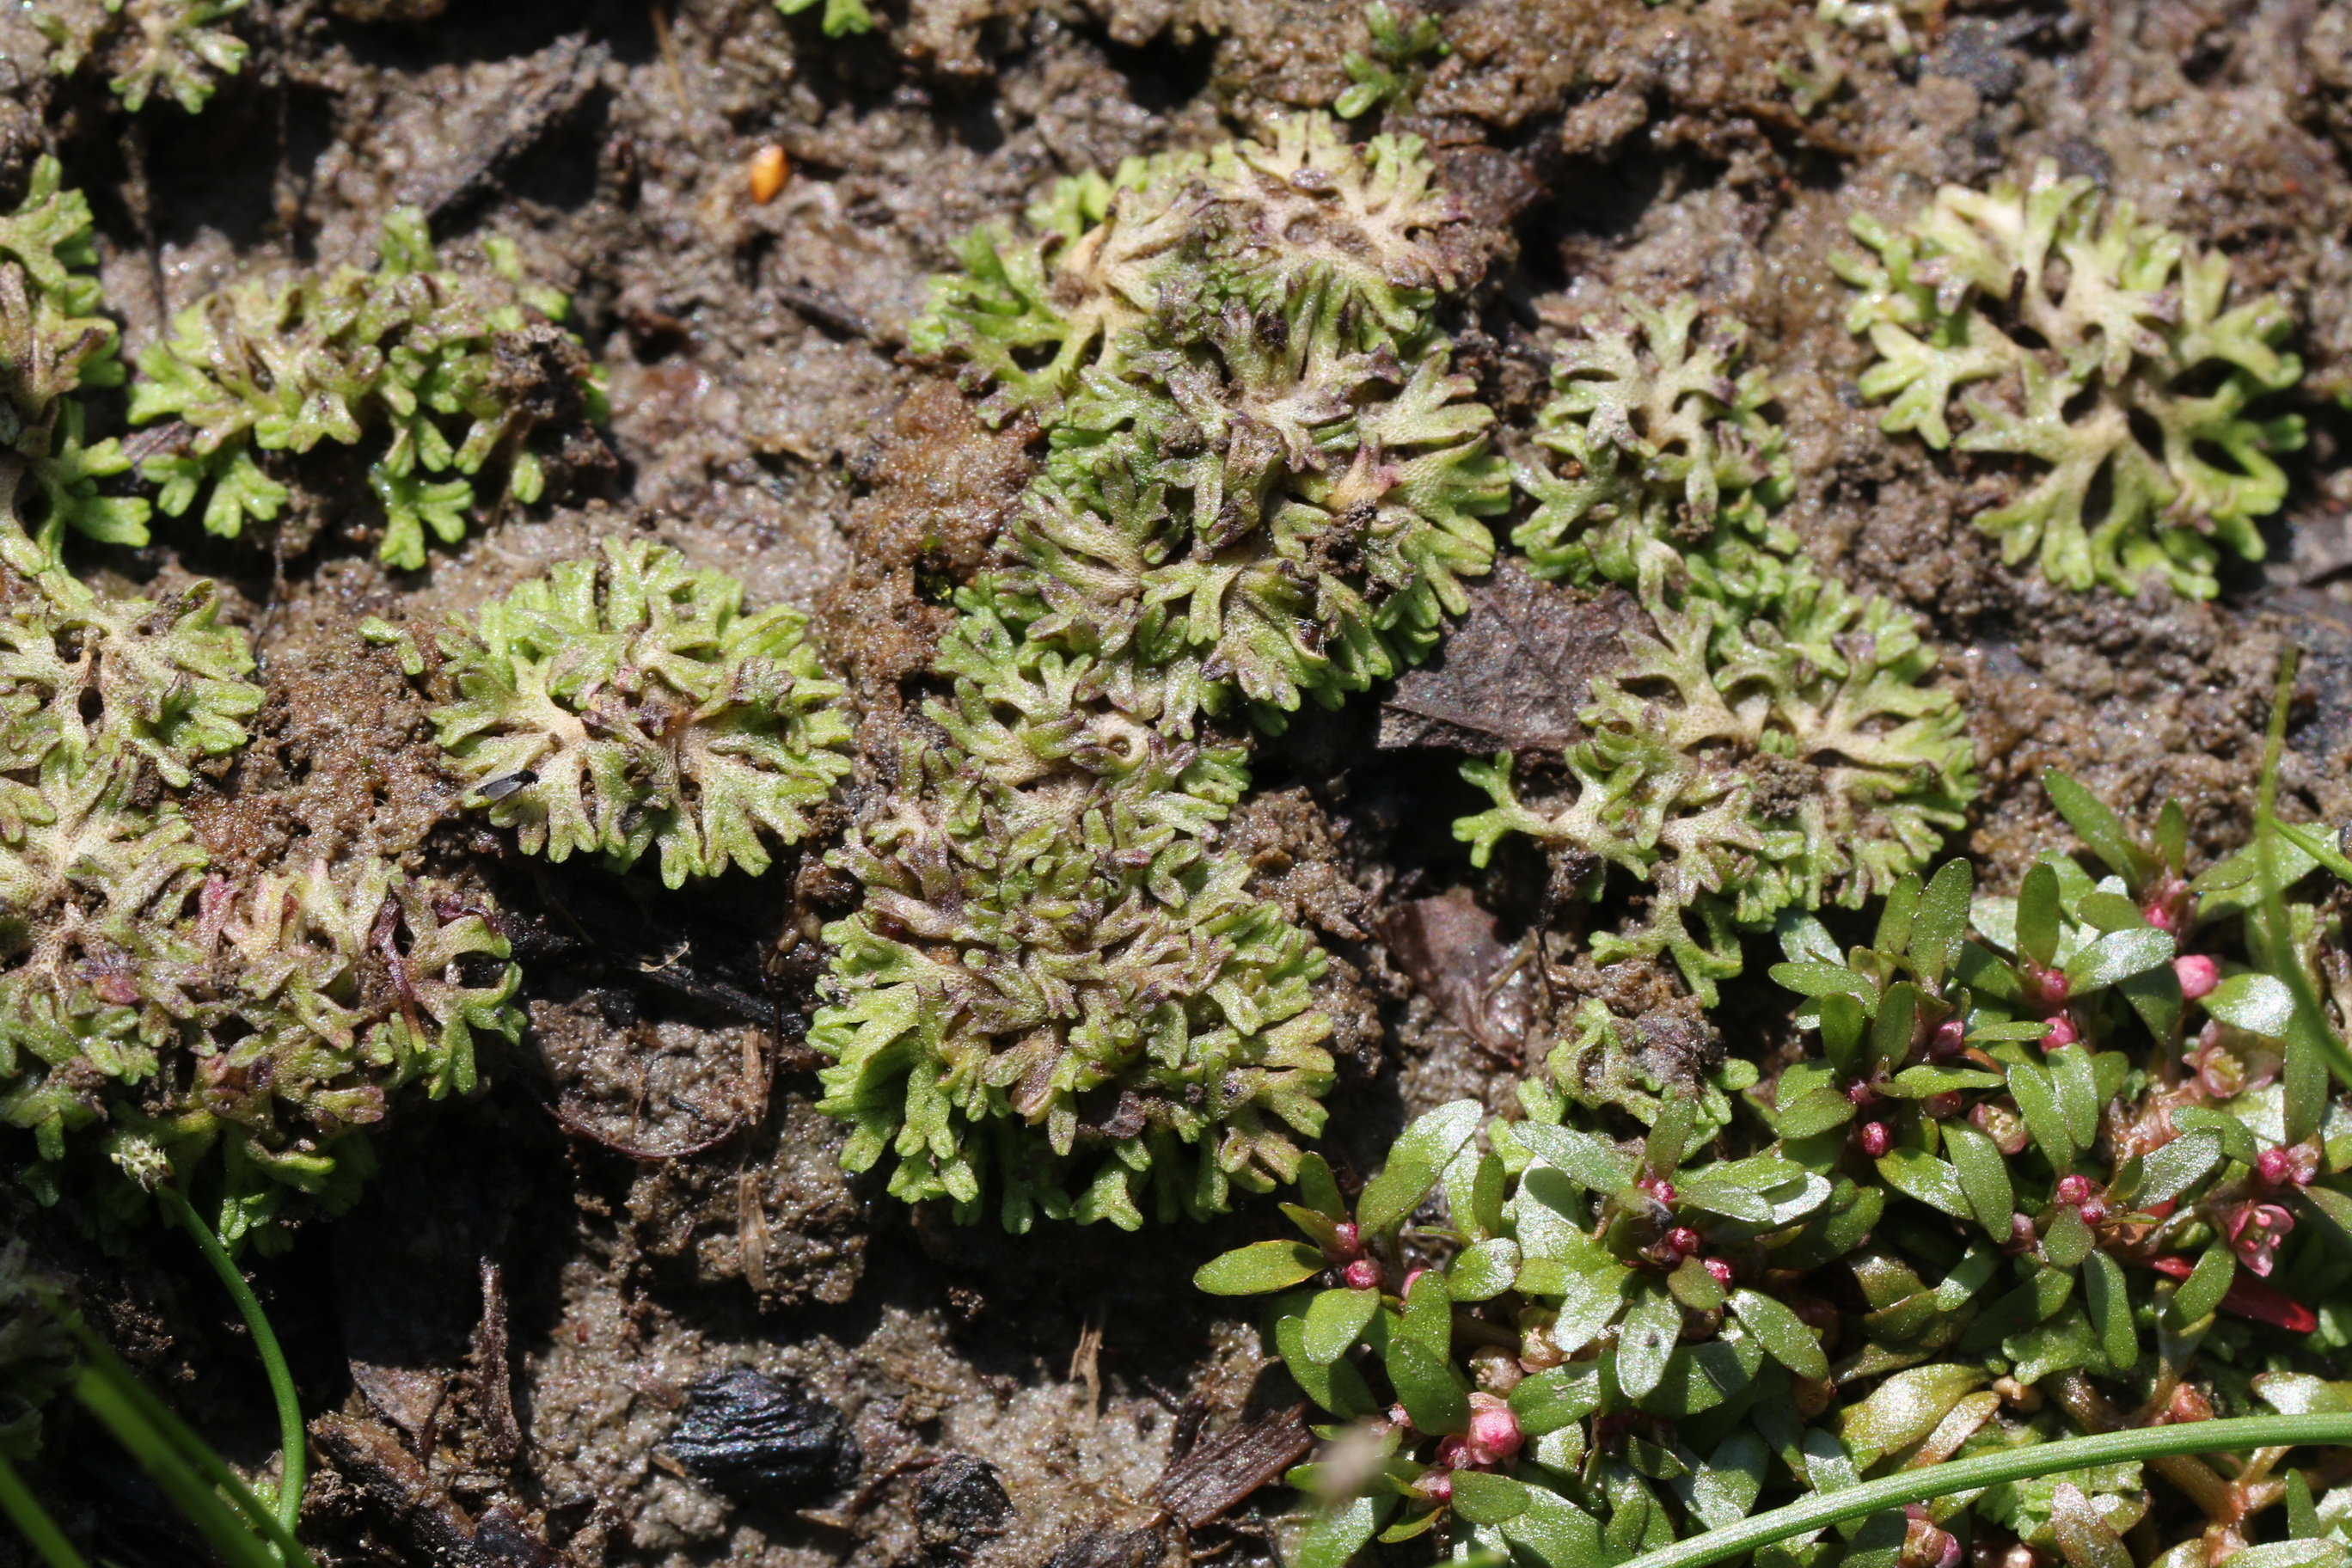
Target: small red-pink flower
{"x":2199,"y":974}
{"x":2256,"y":1232}
{"x":1363,"y":1275}
{"x":1875,"y":1138}
{"x":2062,"y":1032}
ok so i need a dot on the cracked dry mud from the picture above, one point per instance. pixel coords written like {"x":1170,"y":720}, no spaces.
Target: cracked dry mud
{"x":501,"y":1340}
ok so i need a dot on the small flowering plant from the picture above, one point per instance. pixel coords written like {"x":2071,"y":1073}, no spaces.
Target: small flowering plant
{"x":1984,"y":1206}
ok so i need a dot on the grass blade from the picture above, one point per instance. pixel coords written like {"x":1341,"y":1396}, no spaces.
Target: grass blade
{"x":33,"y":1521}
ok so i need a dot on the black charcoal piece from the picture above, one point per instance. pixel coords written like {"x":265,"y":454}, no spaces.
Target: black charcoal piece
{"x":959,"y":1503}
{"x":760,"y":1441}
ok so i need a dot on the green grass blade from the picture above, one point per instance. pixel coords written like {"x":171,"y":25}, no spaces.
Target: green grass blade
{"x":291,"y":1440}
{"x":191,"y":1492}
{"x":176,"y":1437}
{"x":33,"y":1521}
{"x":2310,"y":1040}
{"x":2237,"y":1434}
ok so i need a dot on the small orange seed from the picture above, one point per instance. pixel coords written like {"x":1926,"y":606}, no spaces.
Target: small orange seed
{"x":767,"y":172}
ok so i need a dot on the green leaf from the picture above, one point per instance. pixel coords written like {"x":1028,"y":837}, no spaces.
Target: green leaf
{"x":2038,"y":915}
{"x":1781,"y":1333}
{"x":2302,"y":1517}
{"x":1819,"y":980}
{"x":2202,"y":1292}
{"x":2037,"y":1101}
{"x":2068,"y":1240}
{"x":2100,"y":829}
{"x":2317,"y":843}
{"x":2108,"y":1301}
{"x":2155,"y":995}
{"x":2237,"y":1141}
{"x":2258,"y":1004}
{"x":1942,"y":922}
{"x":1695,"y":1287}
{"x":1484,"y":1498}
{"x":1815,"y":1113}
{"x":2172,"y":1170}
{"x":1843,"y":1022}
{"x":1920,"y":1083}
{"x":1547,"y":1401}
{"x":1320,"y":1188}
{"x":1597,"y":1167}
{"x":2076,"y":1083}
{"x":1431,"y":1391}
{"x":1652,"y":1325}
{"x":2084,"y":1538}
{"x":2300,"y":1393}
{"x":1891,"y":1031}
{"x":1557,"y":1533}
{"x":1984,"y":1177}
{"x":1415,"y":1162}
{"x":1335,"y":1320}
{"x":2116,"y":956}
{"x":1484,"y":1270}
{"x":1920,"y":1175}
{"x":1905,"y":1408}
{"x":1429,"y":1312}
{"x":1726,"y":1488}
{"x":1335,"y":1538}
{"x":1337,"y":1387}
{"x":2103,"y":910}
{"x":1261,"y":1266}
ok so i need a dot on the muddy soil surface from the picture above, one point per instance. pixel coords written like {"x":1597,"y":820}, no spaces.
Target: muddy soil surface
{"x":504,"y":1337}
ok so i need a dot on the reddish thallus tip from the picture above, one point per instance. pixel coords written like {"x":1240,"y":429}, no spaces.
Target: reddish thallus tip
{"x":2247,"y":1298}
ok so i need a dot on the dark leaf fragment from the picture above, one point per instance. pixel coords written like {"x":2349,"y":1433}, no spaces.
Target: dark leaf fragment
{"x":1513,"y":671}
{"x":759,"y":1441}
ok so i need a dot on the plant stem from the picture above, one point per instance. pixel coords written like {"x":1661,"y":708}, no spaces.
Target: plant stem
{"x":41,"y":1532}
{"x":1820,"y":1510}
{"x":292,"y":1452}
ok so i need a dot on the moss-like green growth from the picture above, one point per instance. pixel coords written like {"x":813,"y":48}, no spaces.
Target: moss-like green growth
{"x":1739,"y":763}
{"x":1772,"y":738}
{"x":626,"y":701}
{"x":37,"y":1356}
{"x":141,"y":45}
{"x":1661,"y":442}
{"x":1263,"y":484}
{"x":1059,"y":988}
{"x":1255,"y":508}
{"x":2114,"y":369}
{"x":842,"y":17}
{"x":166,"y":1012}
{"x":436,"y":370}
{"x":53,"y":342}
{"x":1033,"y":308}
{"x":1390,"y":79}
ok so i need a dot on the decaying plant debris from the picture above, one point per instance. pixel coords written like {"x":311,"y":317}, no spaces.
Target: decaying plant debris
{"x":621,"y":1305}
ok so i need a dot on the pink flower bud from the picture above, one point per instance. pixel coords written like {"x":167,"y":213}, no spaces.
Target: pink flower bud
{"x":1347,"y":1242}
{"x":1861,"y":1093}
{"x":1938,"y":1107}
{"x":2045,"y":988}
{"x":2072,"y":1190}
{"x":2062,"y":1032}
{"x":1453,"y":1453}
{"x":1494,"y":1429}
{"x":1721,"y":1270}
{"x":1399,"y":1419}
{"x":1363,"y":1275}
{"x":1435,"y":1486}
{"x":2256,"y":1232}
{"x":2094,"y":1211}
{"x":1410,"y":1276}
{"x":1658,"y":1188}
{"x":2020,"y":1234}
{"x":1950,"y":1039}
{"x":2292,"y":1165}
{"x":1683,"y":1241}
{"x":1875,"y":1138}
{"x":2199,"y":974}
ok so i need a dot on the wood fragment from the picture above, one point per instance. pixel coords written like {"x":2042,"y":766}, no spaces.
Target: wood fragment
{"x":1218,"y":1473}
